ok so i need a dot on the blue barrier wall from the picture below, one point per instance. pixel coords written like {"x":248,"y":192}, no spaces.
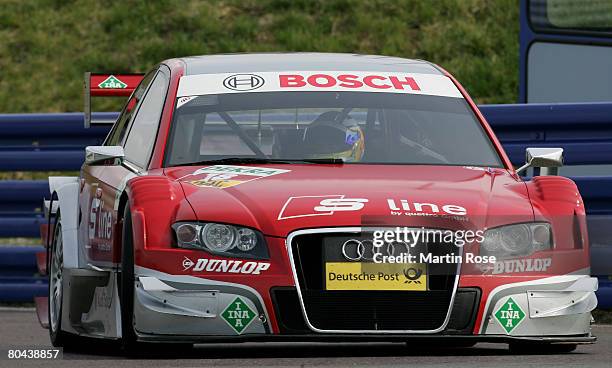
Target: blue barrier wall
{"x":56,"y":142}
{"x":18,"y":275}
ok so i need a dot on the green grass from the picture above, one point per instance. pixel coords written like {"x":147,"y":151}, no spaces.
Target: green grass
{"x":591,"y":14}
{"x":46,"y":45}
{"x":19,"y":241}
{"x":37,"y":175}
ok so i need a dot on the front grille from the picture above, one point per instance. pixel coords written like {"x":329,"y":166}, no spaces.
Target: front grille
{"x":288,"y":312}
{"x":376,"y":310}
{"x":367,"y":310}
{"x":465,"y":309}
{"x":290,"y":318}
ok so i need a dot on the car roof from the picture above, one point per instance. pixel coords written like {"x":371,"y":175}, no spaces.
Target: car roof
{"x":267,"y":62}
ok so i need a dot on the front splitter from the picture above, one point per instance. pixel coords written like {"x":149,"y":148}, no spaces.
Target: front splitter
{"x":335,"y":338}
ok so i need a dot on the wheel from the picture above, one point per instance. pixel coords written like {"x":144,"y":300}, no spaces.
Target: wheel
{"x":129,"y":342}
{"x":535,"y":348}
{"x":58,"y":337}
{"x":126,"y":287}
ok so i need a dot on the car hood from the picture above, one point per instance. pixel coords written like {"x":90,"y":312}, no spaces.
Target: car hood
{"x":278,"y":199}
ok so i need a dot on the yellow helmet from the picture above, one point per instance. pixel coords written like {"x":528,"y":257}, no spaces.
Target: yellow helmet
{"x":328,"y":137}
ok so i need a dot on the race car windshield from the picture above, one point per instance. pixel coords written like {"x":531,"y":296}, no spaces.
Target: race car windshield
{"x":346,"y":127}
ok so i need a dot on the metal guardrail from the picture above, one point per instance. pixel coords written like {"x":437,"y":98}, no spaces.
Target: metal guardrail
{"x":56,"y":142}
{"x":584,"y":130}
{"x":19,"y":279}
{"x":47,"y":142}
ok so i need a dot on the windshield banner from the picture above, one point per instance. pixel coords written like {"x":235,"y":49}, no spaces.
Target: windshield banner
{"x":318,"y":81}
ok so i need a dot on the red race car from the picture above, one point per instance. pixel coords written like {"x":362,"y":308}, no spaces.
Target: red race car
{"x":312,"y":197}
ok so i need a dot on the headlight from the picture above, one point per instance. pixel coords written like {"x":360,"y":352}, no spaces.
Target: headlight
{"x":218,"y":238}
{"x":516,"y":240}
{"x":222,"y":239}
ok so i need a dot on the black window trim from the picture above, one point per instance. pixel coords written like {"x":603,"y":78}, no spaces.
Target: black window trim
{"x":123,"y":111}
{"x":133,"y":166}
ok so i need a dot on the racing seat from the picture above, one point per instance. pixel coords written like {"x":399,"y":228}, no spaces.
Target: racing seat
{"x":288,"y":143}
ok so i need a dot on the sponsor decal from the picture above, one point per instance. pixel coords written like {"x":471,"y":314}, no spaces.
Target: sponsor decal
{"x":187,"y":263}
{"x":348,"y":81}
{"x":404,"y":207}
{"x":412,"y":274}
{"x":325,"y":205}
{"x":183,"y":100}
{"x":100,"y":221}
{"x":227,"y":176}
{"x":340,"y":204}
{"x":522,"y":265}
{"x":318,"y":81}
{"x":243,"y":82}
{"x":103,"y":298}
{"x":238,"y":315}
{"x":320,"y":205}
{"x":509,"y":315}
{"x":112,"y":82}
{"x":375,"y":276}
{"x":225,"y":266}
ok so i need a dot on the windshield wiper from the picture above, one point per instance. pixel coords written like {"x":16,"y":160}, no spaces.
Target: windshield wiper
{"x":238,"y":160}
{"x":333,"y":161}
{"x":262,"y":160}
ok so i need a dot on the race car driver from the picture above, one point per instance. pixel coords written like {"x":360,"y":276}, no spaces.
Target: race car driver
{"x":330,"y":136}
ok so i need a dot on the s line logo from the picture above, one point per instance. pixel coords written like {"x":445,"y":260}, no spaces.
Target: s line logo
{"x":341,"y":204}
{"x":323,"y":205}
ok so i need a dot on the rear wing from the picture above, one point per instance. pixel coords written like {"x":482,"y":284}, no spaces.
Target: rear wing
{"x":107,"y":85}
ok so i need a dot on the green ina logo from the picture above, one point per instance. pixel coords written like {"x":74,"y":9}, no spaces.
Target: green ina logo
{"x":238,"y":315}
{"x":112,"y":82}
{"x":509,"y":315}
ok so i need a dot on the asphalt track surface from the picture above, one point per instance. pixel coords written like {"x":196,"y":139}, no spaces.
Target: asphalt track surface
{"x":20,"y":328}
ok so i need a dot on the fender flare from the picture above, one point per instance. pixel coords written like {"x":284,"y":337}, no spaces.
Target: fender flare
{"x":67,"y":190}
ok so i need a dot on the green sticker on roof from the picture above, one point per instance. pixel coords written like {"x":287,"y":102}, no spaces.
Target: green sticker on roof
{"x":112,"y":82}
{"x":238,"y":315}
{"x":509,"y":315}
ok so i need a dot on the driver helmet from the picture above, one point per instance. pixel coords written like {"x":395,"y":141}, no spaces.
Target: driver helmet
{"x":328,"y":137}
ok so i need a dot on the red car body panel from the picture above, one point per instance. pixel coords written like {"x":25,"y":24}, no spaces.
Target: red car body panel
{"x":491,"y":197}
{"x":481,"y":192}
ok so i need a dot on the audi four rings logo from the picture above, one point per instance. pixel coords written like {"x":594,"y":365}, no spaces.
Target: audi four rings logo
{"x":243,"y":82}
{"x":364,"y":250}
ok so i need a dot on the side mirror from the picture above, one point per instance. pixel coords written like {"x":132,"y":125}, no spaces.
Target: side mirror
{"x":104,"y":155}
{"x":547,"y":158}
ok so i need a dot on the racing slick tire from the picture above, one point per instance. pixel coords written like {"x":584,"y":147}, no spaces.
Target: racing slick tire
{"x":126,"y":284}
{"x":129,"y":340}
{"x":58,"y":337}
{"x":534,"y":348}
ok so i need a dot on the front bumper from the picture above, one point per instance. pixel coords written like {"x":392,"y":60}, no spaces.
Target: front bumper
{"x":553,"y":306}
{"x":182,"y":308}
{"x":167,"y":305}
